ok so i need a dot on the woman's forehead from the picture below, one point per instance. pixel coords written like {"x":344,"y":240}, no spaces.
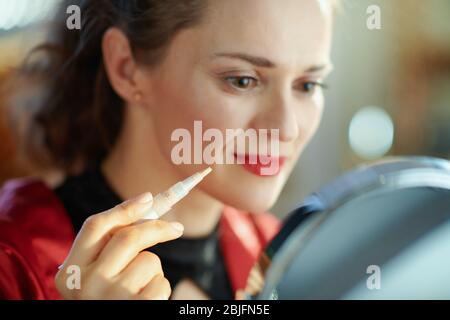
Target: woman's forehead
{"x":290,"y":33}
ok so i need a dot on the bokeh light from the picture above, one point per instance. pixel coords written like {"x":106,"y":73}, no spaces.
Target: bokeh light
{"x":371,"y":132}
{"x":21,"y":13}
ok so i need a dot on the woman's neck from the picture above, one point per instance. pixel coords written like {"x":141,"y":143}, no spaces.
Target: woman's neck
{"x":135,"y":165}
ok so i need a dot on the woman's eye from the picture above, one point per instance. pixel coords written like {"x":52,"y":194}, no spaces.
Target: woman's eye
{"x":311,"y":86}
{"x":242,"y":83}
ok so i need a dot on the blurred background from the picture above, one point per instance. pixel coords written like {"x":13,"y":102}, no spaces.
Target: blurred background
{"x":389,"y":94}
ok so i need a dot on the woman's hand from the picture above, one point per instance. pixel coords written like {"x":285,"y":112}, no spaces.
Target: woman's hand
{"x":109,"y":252}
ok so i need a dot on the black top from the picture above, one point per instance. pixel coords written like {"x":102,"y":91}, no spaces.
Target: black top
{"x":199,"y":259}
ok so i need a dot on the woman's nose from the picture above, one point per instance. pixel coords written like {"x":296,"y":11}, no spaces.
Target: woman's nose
{"x":279,"y":114}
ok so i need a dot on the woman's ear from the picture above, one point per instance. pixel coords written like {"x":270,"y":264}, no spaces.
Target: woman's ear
{"x":120,"y":65}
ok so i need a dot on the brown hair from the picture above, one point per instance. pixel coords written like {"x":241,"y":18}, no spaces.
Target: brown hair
{"x":64,"y":110}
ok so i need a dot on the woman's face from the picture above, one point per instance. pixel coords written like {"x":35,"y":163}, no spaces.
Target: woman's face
{"x":251,"y":64}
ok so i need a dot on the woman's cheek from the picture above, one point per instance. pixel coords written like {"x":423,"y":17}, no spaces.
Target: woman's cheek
{"x":207,"y":109}
{"x":312,"y":112}
{"x":220,"y":110}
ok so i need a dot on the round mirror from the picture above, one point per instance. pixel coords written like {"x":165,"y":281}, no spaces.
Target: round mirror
{"x":379,"y":232}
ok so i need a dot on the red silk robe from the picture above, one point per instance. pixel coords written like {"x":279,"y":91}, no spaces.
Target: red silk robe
{"x":36,"y":235}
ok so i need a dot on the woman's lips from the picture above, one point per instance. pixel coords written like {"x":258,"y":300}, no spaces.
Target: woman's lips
{"x":264,"y":166}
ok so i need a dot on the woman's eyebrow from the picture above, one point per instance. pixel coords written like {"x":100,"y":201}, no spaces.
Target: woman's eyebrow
{"x":266,"y":63}
{"x":326,"y":67}
{"x":257,"y":61}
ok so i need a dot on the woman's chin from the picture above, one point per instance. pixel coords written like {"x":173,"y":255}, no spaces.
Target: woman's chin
{"x":243,"y":191}
{"x":249,"y":201}
{"x":257,"y":207}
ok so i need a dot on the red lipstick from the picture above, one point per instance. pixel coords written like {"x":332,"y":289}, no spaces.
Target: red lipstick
{"x":264,"y":166}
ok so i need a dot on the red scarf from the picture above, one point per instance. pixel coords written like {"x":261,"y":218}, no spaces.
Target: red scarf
{"x":36,"y":235}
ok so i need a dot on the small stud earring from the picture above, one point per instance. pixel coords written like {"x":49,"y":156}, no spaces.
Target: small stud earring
{"x":137,"y":96}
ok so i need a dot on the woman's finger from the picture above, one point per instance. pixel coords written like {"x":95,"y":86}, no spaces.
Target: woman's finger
{"x":140,"y":271}
{"x":128,"y":242}
{"x":157,"y":289}
{"x":98,"y":228}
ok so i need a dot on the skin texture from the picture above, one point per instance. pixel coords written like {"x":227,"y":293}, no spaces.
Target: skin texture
{"x":196,"y":81}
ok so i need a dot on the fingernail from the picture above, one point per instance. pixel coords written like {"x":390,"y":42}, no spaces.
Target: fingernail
{"x":177,"y":226}
{"x":145,"y":198}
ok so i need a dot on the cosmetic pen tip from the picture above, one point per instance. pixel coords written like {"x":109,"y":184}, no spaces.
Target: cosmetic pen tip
{"x":206,"y":172}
